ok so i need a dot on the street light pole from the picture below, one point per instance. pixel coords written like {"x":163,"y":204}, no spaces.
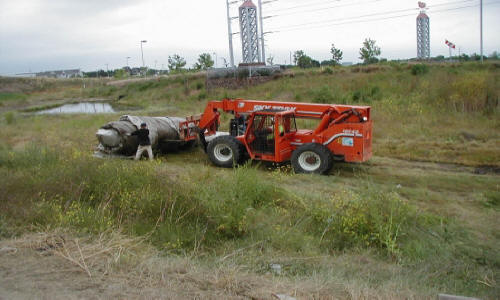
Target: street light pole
{"x":127,"y":58}
{"x":215,"y":54}
{"x":142,"y":52}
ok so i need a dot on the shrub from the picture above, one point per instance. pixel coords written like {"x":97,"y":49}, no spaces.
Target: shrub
{"x":10,"y":117}
{"x":242,"y":73}
{"x":492,"y":199}
{"x":322,"y":95}
{"x":228,"y":204}
{"x":371,"y":219}
{"x":263,"y":72}
{"x":366,"y":94}
{"x":328,"y":71}
{"x":120,"y":74}
{"x":202,"y":96}
{"x":4,"y":232}
{"x":419,"y":69}
{"x":474,"y":91}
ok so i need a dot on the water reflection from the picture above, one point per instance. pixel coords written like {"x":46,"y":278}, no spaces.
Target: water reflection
{"x":80,"y":108}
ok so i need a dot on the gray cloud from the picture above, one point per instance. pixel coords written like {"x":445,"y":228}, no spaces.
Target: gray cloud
{"x":50,"y":34}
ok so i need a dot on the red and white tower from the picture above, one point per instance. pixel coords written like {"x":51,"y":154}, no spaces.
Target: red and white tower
{"x":423,"y":33}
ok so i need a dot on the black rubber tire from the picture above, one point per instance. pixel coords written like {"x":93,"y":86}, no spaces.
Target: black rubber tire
{"x":325,"y":157}
{"x":214,"y":151}
{"x":244,"y":157}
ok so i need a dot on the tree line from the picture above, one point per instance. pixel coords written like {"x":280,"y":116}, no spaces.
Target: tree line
{"x":369,"y":53}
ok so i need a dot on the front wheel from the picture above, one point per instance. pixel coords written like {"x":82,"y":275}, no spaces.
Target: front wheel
{"x":312,"y":158}
{"x":225,"y":151}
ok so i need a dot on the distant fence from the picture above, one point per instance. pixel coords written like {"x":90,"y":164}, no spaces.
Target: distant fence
{"x":241,"y":76}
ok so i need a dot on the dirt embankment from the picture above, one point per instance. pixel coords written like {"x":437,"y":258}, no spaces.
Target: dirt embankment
{"x":58,"y":266}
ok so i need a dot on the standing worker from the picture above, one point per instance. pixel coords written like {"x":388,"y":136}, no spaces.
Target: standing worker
{"x":144,"y":142}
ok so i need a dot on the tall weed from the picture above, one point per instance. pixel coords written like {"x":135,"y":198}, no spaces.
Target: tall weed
{"x":369,"y":219}
{"x":325,"y":94}
{"x":10,"y":117}
{"x":419,"y":69}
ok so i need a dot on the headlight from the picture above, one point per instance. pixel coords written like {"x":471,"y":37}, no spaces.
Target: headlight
{"x":365,"y":119}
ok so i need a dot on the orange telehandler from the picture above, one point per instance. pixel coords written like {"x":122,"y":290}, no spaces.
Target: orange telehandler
{"x":267,"y":130}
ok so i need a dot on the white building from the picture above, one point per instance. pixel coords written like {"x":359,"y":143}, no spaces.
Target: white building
{"x":61,"y":74}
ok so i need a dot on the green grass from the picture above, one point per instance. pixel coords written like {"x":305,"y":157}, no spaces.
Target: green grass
{"x":209,"y":210}
{"x":396,"y":225}
{"x":12,"y":97}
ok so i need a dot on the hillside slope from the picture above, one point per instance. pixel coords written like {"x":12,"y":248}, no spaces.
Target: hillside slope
{"x":420,"y":218}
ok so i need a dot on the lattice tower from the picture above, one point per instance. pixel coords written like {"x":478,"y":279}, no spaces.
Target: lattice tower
{"x":423,"y":34}
{"x":249,"y":32}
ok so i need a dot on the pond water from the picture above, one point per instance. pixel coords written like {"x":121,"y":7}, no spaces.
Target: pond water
{"x":81,"y":108}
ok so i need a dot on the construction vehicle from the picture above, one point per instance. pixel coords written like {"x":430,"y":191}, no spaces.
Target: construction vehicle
{"x":267,"y":131}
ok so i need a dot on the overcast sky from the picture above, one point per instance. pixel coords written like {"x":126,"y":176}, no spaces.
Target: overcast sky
{"x":37,"y":35}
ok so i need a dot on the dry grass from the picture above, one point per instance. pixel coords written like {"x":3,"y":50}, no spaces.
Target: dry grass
{"x":112,"y":265}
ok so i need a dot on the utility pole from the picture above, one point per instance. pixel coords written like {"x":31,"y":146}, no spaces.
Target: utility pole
{"x":481,"y":26}
{"x":262,"y":33}
{"x":127,"y":58}
{"x":215,"y":54}
{"x":230,"y":33}
{"x":261,"y":18}
{"x":107,"y":70}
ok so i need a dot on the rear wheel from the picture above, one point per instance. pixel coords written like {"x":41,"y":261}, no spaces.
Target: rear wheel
{"x":312,"y":158}
{"x":225,"y":151}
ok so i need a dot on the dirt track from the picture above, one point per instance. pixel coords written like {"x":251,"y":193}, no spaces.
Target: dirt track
{"x":34,"y":267}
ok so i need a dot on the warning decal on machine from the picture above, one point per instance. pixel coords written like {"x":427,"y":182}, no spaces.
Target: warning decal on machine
{"x":348,"y":141}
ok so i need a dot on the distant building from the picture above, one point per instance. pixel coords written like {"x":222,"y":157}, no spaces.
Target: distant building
{"x":61,"y":74}
{"x":347,"y":63}
{"x":26,"y":75}
{"x":134,"y":71}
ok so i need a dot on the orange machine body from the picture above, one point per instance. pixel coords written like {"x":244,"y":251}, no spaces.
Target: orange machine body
{"x":346,"y":130}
